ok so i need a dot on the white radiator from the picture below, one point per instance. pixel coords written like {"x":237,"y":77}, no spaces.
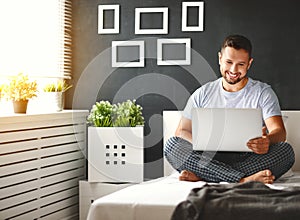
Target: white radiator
{"x":42,"y":159}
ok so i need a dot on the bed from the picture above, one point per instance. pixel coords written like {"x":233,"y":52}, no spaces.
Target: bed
{"x":158,"y":198}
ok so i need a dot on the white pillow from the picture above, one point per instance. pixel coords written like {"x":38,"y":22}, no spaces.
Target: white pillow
{"x":289,"y":173}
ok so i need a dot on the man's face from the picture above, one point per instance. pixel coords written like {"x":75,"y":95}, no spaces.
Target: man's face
{"x":234,"y":64}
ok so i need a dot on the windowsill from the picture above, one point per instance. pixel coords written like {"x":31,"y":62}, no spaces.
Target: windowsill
{"x":65,"y":111}
{"x":11,"y":118}
{"x":33,"y":109}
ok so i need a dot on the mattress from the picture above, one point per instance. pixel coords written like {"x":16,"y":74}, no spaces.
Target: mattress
{"x":157,"y":199}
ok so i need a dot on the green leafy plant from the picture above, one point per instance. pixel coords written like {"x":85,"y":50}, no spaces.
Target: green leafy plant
{"x":100,"y":115}
{"x":125,"y":114}
{"x":59,"y":86}
{"x":20,"y":87}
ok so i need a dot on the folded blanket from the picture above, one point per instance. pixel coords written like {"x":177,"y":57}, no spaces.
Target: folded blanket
{"x":242,"y":201}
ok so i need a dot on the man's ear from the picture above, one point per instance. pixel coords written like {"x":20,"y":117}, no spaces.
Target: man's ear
{"x":250,"y":62}
{"x":220,"y":56}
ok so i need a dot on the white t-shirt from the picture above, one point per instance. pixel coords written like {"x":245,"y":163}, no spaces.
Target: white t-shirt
{"x":254,"y":95}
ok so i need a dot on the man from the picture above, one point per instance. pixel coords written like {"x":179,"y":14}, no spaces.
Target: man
{"x":270,"y":158}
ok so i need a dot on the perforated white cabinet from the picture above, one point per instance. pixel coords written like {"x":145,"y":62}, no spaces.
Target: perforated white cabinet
{"x":42,"y":159}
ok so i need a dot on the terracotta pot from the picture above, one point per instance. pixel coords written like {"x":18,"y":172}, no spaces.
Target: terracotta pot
{"x":20,"y":106}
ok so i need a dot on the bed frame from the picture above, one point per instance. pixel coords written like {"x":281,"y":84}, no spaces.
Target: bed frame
{"x":291,"y":121}
{"x":158,"y":198}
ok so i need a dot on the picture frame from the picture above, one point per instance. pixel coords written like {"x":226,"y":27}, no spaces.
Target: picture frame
{"x":162,"y":61}
{"x":101,"y":20}
{"x":140,"y":11}
{"x":184,"y":25}
{"x":118,"y":63}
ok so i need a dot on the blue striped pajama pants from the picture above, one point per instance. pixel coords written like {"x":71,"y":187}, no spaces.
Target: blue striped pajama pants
{"x":227,"y":166}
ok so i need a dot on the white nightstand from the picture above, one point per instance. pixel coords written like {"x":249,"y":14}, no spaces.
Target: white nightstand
{"x":90,"y":191}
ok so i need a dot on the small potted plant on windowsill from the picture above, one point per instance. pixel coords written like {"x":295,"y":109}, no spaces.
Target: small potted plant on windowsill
{"x":115,"y":142}
{"x":1,"y":89}
{"x":20,"y":90}
{"x":54,"y":94}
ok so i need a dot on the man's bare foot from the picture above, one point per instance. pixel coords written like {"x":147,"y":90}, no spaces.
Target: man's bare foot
{"x":264,"y":176}
{"x":186,"y":175}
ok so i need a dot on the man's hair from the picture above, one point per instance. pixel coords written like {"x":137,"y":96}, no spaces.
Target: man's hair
{"x":237,"y":42}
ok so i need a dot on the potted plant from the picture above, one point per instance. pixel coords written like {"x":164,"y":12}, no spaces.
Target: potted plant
{"x":1,"y":89}
{"x":54,"y":94}
{"x":1,"y":94}
{"x":125,"y":114}
{"x":115,"y":142}
{"x":20,"y":89}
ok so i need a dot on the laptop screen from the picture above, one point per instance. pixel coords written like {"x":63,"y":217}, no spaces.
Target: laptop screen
{"x":225,"y":129}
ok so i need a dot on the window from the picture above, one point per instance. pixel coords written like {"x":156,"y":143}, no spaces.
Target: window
{"x":35,"y":38}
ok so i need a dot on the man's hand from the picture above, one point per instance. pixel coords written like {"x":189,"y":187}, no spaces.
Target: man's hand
{"x":261,"y":144}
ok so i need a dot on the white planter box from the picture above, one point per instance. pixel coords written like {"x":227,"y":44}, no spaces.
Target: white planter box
{"x":115,"y":154}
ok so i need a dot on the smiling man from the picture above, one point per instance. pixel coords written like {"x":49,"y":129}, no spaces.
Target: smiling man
{"x":271,"y":156}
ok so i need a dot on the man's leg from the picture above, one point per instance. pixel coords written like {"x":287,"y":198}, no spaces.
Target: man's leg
{"x":279,"y":159}
{"x":181,"y":156}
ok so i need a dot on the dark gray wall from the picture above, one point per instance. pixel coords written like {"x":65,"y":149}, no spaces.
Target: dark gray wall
{"x":272,"y":25}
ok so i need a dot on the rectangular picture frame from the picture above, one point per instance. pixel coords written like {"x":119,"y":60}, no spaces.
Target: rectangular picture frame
{"x":184,"y":25}
{"x":161,"y":42}
{"x":101,"y":20}
{"x":116,"y":63}
{"x":163,"y":30}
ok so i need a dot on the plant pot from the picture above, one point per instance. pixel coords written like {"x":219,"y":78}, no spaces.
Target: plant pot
{"x":116,"y":154}
{"x":20,"y":106}
{"x":54,"y":100}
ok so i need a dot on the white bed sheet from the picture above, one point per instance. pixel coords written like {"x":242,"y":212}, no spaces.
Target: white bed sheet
{"x":155,"y":199}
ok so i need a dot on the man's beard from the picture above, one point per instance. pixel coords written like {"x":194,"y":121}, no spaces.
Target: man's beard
{"x":232,"y":82}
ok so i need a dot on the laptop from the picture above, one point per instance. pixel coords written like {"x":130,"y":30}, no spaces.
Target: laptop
{"x":225,"y":129}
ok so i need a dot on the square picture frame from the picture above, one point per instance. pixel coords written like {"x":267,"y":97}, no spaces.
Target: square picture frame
{"x":184,"y":19}
{"x":161,"y":42}
{"x":114,"y":48}
{"x":163,"y":30}
{"x":101,"y":20}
